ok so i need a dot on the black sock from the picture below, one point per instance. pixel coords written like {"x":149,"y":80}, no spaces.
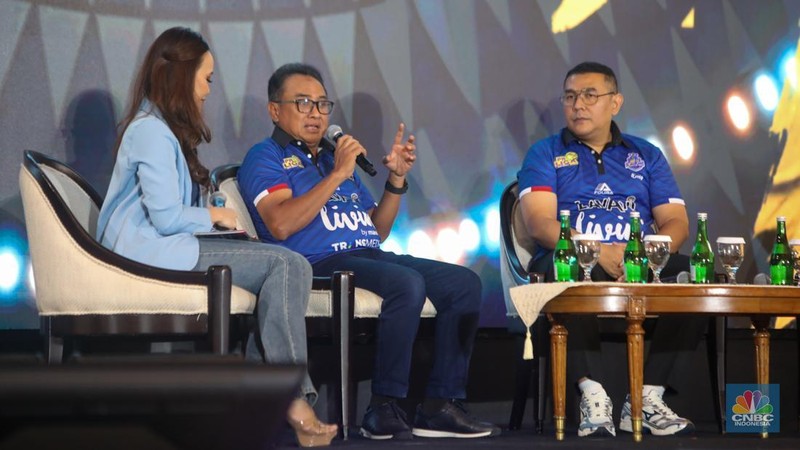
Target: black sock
{"x":433,"y":405}
{"x":380,"y":399}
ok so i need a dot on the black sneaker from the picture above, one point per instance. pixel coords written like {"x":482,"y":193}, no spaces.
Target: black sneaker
{"x":453,"y":421}
{"x":385,"y":421}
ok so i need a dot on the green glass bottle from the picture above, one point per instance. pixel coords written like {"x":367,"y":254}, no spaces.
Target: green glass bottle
{"x":565,"y":259}
{"x":635,"y":258}
{"x":701,"y":263}
{"x":781,"y":270}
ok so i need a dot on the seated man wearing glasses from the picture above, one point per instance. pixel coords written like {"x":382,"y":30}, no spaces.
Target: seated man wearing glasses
{"x":306,"y":196}
{"x":600,"y":175}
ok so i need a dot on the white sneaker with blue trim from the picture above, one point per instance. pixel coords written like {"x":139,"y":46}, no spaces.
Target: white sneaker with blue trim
{"x":657,"y":418}
{"x":596,"y":409}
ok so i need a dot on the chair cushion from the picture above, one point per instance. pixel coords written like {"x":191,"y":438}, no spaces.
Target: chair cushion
{"x":367,"y":305}
{"x":235,"y":201}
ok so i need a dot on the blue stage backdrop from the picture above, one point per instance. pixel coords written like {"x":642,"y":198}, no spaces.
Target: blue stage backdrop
{"x":711,"y":82}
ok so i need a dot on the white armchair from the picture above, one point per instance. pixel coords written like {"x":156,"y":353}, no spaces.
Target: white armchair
{"x":84,"y":289}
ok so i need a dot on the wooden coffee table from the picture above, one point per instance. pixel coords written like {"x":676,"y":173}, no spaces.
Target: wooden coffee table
{"x":633,"y":301}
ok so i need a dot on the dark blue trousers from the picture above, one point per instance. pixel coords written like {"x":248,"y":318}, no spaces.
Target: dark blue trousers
{"x":404,"y":281}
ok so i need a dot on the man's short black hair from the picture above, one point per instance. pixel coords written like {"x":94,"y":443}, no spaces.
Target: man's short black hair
{"x":276,"y":81}
{"x":594,"y":67}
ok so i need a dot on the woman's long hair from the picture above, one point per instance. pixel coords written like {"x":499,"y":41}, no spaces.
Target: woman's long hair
{"x":166,"y":78}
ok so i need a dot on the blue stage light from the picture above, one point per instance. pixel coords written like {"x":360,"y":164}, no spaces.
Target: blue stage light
{"x":491,"y":226}
{"x":766,"y":92}
{"x":10,"y":270}
{"x":788,"y":68}
{"x":13,"y":264}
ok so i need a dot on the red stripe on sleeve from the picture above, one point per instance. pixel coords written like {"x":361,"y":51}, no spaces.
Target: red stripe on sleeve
{"x":278,"y":187}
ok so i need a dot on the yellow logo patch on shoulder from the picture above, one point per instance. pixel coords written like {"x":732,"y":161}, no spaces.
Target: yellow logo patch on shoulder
{"x":291,"y":162}
{"x":570,"y":159}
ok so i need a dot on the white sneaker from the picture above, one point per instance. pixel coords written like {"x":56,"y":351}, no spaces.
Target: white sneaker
{"x":657,"y":417}
{"x":596,"y":411}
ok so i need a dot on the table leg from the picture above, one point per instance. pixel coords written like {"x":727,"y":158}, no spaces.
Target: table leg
{"x":761,"y":340}
{"x":635,"y":334}
{"x":558,"y":362}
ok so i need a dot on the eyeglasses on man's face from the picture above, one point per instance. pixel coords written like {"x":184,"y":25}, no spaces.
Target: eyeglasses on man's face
{"x":589,"y":97}
{"x":305,"y":105}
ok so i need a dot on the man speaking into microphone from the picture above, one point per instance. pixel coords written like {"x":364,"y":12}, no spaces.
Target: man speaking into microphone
{"x":304,"y":192}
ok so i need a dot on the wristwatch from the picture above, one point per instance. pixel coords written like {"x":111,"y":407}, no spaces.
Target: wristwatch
{"x":399,"y":191}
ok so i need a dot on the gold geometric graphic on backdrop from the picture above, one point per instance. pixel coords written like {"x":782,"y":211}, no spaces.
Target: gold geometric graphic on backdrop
{"x":688,"y":21}
{"x":783,"y":195}
{"x":571,"y":13}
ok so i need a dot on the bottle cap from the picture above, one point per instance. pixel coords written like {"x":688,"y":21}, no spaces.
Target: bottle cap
{"x":635,"y":214}
{"x":781,"y":219}
{"x":730,"y":240}
{"x":702,"y":215}
{"x":657,"y":238}
{"x":218,"y":199}
{"x":564,"y":212}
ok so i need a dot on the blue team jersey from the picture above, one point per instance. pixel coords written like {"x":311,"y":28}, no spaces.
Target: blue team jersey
{"x":600,"y":189}
{"x":281,"y":162}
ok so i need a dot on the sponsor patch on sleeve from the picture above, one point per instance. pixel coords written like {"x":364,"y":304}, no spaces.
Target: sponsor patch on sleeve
{"x":292,"y":162}
{"x":570,"y":159}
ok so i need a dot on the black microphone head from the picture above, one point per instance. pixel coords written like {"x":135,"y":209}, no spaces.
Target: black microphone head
{"x":334,"y":133}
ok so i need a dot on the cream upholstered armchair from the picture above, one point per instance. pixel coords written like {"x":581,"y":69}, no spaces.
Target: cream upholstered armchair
{"x":84,"y":289}
{"x":336,"y":307}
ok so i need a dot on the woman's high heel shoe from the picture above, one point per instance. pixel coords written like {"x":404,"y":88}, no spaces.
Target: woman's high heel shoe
{"x":309,"y":430}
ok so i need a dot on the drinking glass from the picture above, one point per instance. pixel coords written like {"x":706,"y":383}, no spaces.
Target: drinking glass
{"x":657,"y":249}
{"x":587,"y":247}
{"x":794,"y":244}
{"x":731,"y":254}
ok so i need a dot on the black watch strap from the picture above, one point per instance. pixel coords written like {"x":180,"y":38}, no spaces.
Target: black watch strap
{"x":399,"y":191}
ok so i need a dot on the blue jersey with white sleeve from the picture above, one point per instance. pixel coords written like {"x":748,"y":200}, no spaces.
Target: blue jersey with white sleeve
{"x":600,"y":189}
{"x":282,"y":162}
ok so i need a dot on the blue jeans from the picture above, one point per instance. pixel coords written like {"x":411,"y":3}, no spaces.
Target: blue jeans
{"x":404,"y":281}
{"x":281,"y":279}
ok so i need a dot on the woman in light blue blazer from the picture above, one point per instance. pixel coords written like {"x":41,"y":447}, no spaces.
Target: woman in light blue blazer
{"x":155,"y":204}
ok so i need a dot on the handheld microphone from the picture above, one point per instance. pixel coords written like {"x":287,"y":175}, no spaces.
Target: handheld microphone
{"x":218,"y":199}
{"x":334,"y":133}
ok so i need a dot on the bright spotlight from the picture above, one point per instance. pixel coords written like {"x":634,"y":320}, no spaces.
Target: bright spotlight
{"x":766,"y":92}
{"x":491,"y":226}
{"x":392,"y":245}
{"x":10,"y":268}
{"x":448,"y":244}
{"x":682,"y":142}
{"x":738,"y":112}
{"x":421,"y":245}
{"x":470,"y":235}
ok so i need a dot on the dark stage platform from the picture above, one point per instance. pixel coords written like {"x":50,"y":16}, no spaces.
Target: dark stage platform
{"x":705,"y":438}
{"x":491,"y":391}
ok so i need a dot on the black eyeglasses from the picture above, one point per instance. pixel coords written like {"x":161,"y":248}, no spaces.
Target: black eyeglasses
{"x":306,"y":105}
{"x":589,"y":97}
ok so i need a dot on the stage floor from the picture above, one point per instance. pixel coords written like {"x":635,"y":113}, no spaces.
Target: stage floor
{"x":705,"y":438}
